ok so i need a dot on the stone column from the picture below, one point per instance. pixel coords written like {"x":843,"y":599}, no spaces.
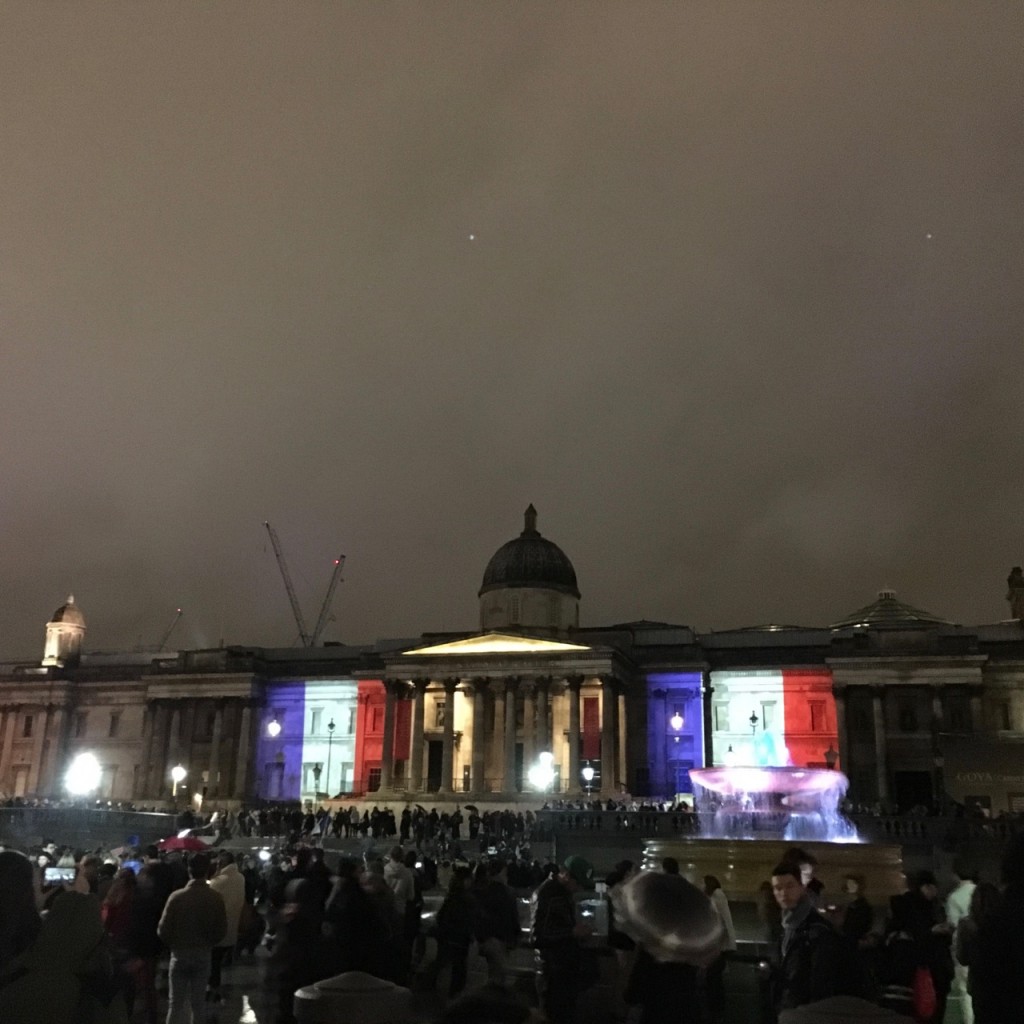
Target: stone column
{"x":842,"y":736}
{"x":50,"y":782}
{"x":242,"y":775}
{"x":508,"y":784}
{"x":572,"y":695}
{"x":36,"y":766}
{"x":173,"y":747}
{"x":620,"y":738}
{"x":8,"y":747}
{"x":609,"y":703}
{"x":977,"y":714}
{"x":707,"y":693}
{"x":448,"y":749}
{"x":416,"y":747}
{"x":881,"y":769}
{"x":527,"y":687}
{"x":479,"y":745}
{"x":213,"y":787}
{"x":387,"y":756}
{"x":543,"y":702}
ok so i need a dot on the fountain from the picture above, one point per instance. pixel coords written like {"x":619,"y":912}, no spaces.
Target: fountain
{"x":748,"y":817}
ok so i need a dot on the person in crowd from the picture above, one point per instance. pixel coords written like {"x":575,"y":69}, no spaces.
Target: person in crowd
{"x":714,"y":973}
{"x":857,"y":917}
{"x":996,"y":976}
{"x":89,"y":870}
{"x":986,"y":899}
{"x":918,"y":936}
{"x":402,"y":883}
{"x":193,"y":922}
{"x":555,"y":934}
{"x":667,"y":992}
{"x":155,"y":883}
{"x":118,"y":915}
{"x":623,"y":947}
{"x":19,"y":919}
{"x":455,"y":922}
{"x":958,"y":905}
{"x":65,"y":976}
{"x":810,"y":951}
{"x":230,"y":885}
{"x":808,"y":865}
{"x":354,"y":923}
{"x":670,"y":865}
{"x":412,"y":930}
{"x":496,"y":919}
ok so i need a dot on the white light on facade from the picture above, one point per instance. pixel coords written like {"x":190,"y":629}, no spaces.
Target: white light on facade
{"x":273,"y":728}
{"x":542,"y":774}
{"x":83,"y":775}
{"x":676,"y":721}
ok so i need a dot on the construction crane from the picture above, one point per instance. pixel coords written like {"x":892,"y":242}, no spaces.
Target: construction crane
{"x":169,"y":630}
{"x":308,"y":639}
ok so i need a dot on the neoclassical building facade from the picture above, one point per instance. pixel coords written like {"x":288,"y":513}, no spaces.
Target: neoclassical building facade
{"x":906,"y":703}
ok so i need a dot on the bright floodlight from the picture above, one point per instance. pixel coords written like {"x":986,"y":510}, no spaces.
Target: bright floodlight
{"x":178,"y":774}
{"x":83,"y":775}
{"x":542,"y":774}
{"x":676,"y":721}
{"x":273,"y":728}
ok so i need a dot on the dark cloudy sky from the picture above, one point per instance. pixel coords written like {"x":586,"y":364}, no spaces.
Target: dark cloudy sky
{"x":742,"y":312}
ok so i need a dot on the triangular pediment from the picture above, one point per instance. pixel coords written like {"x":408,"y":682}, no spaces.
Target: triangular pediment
{"x":498,"y":643}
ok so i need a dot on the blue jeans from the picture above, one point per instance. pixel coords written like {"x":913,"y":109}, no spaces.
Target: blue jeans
{"x":190,"y":969}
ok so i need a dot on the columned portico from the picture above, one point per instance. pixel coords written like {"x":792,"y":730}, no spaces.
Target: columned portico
{"x":508,"y":782}
{"x":609,"y":731}
{"x":387,"y":757}
{"x":478,"y":783}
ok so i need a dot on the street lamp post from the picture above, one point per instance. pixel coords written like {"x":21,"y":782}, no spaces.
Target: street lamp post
{"x":588,"y":776}
{"x":753,"y":720}
{"x":178,"y":774}
{"x":831,"y":756}
{"x":330,"y":739}
{"x":317,"y":768}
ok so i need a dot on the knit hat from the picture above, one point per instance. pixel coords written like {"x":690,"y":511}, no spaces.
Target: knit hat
{"x":580,"y":870}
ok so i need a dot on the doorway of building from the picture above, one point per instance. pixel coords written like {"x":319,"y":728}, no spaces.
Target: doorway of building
{"x":913,"y":789}
{"x":435,"y":762}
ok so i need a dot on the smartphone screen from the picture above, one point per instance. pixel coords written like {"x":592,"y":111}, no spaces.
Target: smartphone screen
{"x":58,"y":876}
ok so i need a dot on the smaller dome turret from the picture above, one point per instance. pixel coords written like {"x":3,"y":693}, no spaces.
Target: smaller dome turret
{"x":64,"y":634}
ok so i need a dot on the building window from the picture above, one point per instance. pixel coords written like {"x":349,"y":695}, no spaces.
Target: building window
{"x":115,"y":724}
{"x":768,"y":716}
{"x":513,"y":610}
{"x":373,"y":780}
{"x":819,"y":721}
{"x":315,"y":717}
{"x":721,"y":718}
{"x":377,"y":719}
{"x":351,"y":721}
{"x":81,"y":722}
{"x":907,"y":716}
{"x":26,"y":726}
{"x":439,"y":709}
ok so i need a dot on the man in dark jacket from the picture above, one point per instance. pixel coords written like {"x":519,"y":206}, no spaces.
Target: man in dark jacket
{"x":810,"y":965}
{"x":496,"y":927}
{"x":556,"y":935}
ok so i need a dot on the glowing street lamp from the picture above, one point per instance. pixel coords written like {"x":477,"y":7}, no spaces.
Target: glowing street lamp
{"x":542,"y":774}
{"x":273,"y":728}
{"x":178,"y":774}
{"x":588,"y":776}
{"x":676,"y":721}
{"x":83,"y":775}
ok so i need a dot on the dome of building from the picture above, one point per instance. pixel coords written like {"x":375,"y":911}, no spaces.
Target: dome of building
{"x":530,"y":561}
{"x":69,"y":613}
{"x":888,"y":612}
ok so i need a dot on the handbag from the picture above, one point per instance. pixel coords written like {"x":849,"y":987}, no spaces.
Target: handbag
{"x":925,"y":1000}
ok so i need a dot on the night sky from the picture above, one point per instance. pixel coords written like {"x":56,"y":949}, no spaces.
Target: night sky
{"x":731,"y":292}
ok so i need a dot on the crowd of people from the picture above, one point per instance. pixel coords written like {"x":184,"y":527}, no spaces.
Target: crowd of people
{"x":86,"y":938}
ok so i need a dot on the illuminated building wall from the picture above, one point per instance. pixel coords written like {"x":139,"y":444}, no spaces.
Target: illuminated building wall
{"x":369,"y":737}
{"x":794,"y":717}
{"x":286,"y":765}
{"x":675,"y":731}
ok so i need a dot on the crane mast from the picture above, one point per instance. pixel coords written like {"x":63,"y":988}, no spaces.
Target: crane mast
{"x":169,"y":630}
{"x":286,"y":576}
{"x":325,"y":608}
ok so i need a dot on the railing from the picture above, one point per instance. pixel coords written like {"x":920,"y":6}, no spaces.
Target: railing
{"x":940,"y":830}
{"x":82,"y":825}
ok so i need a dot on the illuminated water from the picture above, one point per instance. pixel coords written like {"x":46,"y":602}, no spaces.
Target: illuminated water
{"x":765,"y":802}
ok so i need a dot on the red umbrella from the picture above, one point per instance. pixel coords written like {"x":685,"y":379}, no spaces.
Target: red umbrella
{"x":189,"y":843}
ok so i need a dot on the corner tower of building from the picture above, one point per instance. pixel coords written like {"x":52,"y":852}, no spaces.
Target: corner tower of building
{"x":64,"y":634}
{"x":529,"y":585}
